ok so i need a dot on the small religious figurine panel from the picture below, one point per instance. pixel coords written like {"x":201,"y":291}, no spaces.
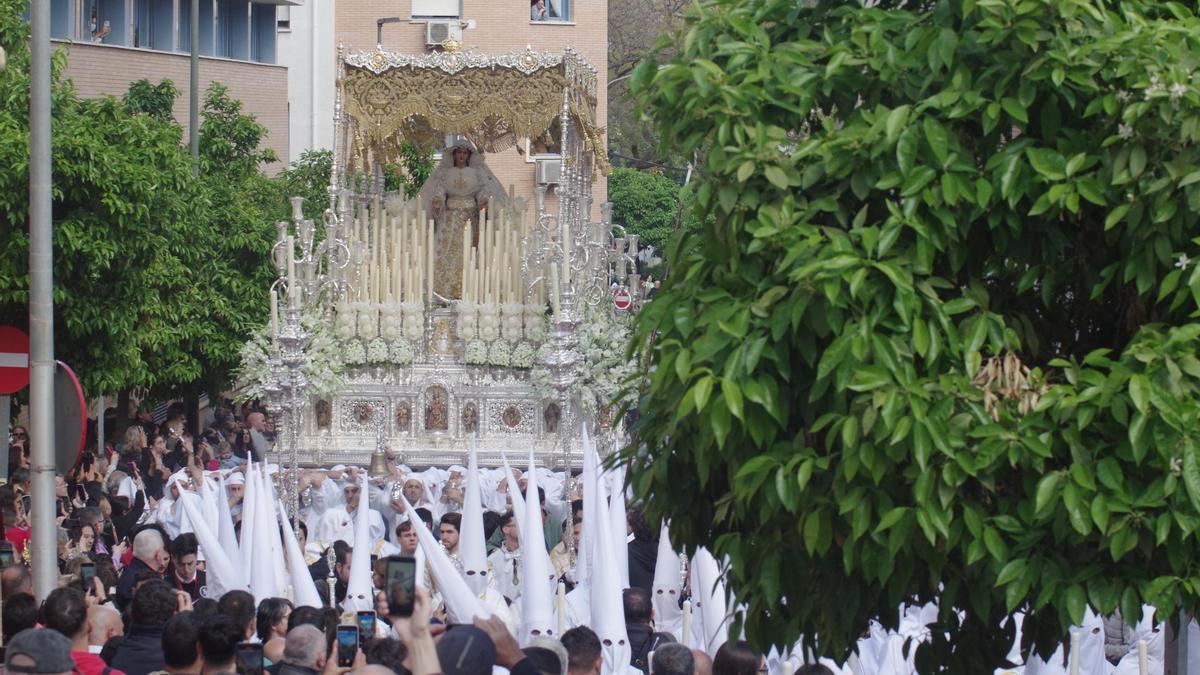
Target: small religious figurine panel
{"x":403,"y":416}
{"x":323,"y":410}
{"x":470,"y":418}
{"x":437,"y":409}
{"x":551,"y":417}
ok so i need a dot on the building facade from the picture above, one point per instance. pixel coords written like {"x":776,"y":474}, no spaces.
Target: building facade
{"x":113,"y":43}
{"x":316,"y":29}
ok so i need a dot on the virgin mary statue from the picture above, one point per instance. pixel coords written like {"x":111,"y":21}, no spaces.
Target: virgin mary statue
{"x":457,"y":191}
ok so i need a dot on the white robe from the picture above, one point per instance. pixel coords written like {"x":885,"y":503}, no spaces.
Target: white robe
{"x":338,"y":524}
{"x":500,"y":566}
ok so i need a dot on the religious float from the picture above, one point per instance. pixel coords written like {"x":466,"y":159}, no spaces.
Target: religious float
{"x":465,"y":313}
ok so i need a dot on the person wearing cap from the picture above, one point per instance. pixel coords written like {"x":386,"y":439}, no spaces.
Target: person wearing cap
{"x":65,"y":611}
{"x":39,"y":651}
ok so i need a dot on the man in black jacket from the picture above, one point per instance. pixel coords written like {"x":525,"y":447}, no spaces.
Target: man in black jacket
{"x":140,"y":650}
{"x":149,"y":553}
{"x":639,"y":626}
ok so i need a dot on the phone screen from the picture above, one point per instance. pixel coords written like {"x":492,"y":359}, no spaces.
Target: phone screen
{"x":6,"y":557}
{"x":366,"y":624}
{"x":87,"y":572}
{"x":347,"y":645}
{"x":402,"y":570}
{"x":248,"y":659}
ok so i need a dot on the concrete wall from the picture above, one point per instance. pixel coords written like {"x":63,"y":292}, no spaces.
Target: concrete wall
{"x":308,"y":49}
{"x":262,"y":88}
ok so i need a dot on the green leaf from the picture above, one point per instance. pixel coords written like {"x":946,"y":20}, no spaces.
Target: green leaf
{"x":733,"y":397}
{"x":1189,"y":179}
{"x":1011,"y":571}
{"x":890,"y":519}
{"x":995,"y":545}
{"x":1047,"y":491}
{"x":870,"y":377}
{"x":920,"y":337}
{"x":701,"y":392}
{"x":1139,"y":392}
{"x":1048,"y":163}
{"x":777,"y":176}
{"x":935,"y":135}
{"x":1137,"y":161}
{"x":896,"y":121}
{"x":1115,"y":216}
{"x":1191,"y":473}
{"x":1015,"y":110}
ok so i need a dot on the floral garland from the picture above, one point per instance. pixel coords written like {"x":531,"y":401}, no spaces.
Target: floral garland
{"x":604,"y":373}
{"x":323,"y":360}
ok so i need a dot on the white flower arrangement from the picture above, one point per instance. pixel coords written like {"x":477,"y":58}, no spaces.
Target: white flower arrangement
{"x":603,"y":371}
{"x":523,"y":355}
{"x":377,"y":352}
{"x":402,"y":352}
{"x":355,"y":352}
{"x":322,"y":366}
{"x":477,"y":353}
{"x":500,"y":354}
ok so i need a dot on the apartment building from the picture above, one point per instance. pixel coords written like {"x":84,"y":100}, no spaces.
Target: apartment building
{"x":112,"y":43}
{"x":310,"y":35}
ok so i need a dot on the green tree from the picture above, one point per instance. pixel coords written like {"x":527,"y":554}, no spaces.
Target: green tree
{"x":939,"y":339}
{"x":159,"y":277}
{"x":308,"y":177}
{"x":646,"y":204}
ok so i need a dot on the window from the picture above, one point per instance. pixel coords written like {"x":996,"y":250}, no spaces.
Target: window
{"x":283,"y":17}
{"x":435,"y":9}
{"x":104,"y":22}
{"x":233,"y":29}
{"x":154,"y":22}
{"x":263,"y":21}
{"x":549,"y":10}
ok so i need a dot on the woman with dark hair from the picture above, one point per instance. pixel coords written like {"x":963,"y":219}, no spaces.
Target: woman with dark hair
{"x":736,"y":658}
{"x":273,"y":615}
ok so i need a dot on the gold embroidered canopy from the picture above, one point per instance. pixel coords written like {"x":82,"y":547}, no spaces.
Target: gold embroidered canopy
{"x":494,"y":102}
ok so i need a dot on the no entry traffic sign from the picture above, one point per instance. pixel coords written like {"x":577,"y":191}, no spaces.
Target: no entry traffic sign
{"x":622,"y":300}
{"x":14,"y":360}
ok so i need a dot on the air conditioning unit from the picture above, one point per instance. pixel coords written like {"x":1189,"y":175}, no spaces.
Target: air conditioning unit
{"x":437,"y":32}
{"x":547,"y":171}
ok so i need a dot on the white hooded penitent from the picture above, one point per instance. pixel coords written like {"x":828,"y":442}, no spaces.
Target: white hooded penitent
{"x":537,"y":609}
{"x":708,"y":592}
{"x":223,"y":572}
{"x":472,"y":545}
{"x":607,"y":604}
{"x":360,"y":594}
{"x":462,"y":605}
{"x":667,"y":585}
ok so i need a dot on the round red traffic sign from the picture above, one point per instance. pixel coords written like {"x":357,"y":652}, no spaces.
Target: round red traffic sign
{"x":622,"y":299}
{"x":14,"y":360}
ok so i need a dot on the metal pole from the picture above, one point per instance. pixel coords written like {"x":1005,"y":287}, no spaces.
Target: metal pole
{"x":100,"y":427}
{"x":5,"y":419}
{"x":44,"y":555}
{"x":194,"y":91}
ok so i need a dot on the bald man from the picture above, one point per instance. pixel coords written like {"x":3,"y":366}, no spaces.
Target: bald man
{"x":703,"y":663}
{"x":105,"y":623}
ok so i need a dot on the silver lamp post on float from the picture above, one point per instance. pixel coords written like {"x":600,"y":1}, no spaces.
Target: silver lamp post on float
{"x":305,"y":270}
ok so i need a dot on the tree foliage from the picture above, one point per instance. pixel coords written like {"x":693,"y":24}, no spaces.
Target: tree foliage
{"x":939,"y":339}
{"x":159,"y":276}
{"x":646,"y":204}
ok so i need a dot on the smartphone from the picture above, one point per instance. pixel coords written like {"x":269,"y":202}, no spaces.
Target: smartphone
{"x":87,"y":572}
{"x":402,"y":569}
{"x":6,"y":557}
{"x":366,"y":625}
{"x":248,"y":658}
{"x":347,"y":645}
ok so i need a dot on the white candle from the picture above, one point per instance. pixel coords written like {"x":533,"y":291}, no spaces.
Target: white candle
{"x":554,"y":291}
{"x":274,"y":315}
{"x":293,"y":283}
{"x":1074,"y":668}
{"x":432,"y":262}
{"x":1143,"y":662}
{"x":567,"y":245}
{"x":560,"y":603}
{"x":685,"y":636}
